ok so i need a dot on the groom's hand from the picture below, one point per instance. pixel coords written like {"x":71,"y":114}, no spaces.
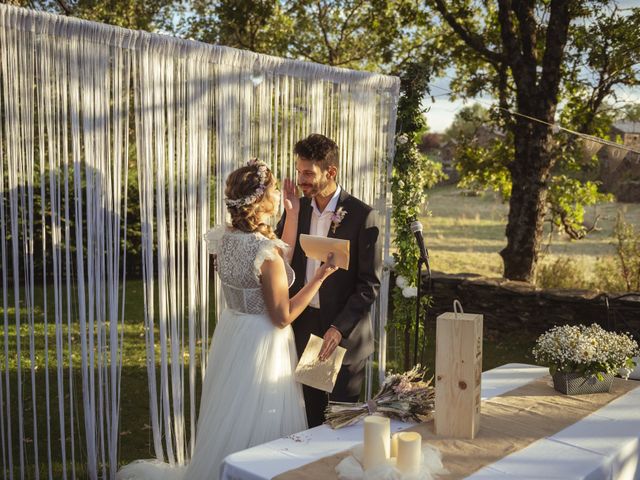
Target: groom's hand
{"x":332,"y":339}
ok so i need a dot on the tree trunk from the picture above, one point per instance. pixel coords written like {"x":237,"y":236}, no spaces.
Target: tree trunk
{"x":537,"y":77}
{"x":529,"y":176}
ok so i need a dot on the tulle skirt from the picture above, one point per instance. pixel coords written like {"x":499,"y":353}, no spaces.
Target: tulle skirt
{"x":249,"y":397}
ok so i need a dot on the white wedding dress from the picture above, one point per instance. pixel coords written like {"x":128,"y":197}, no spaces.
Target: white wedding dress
{"x":249,"y":395}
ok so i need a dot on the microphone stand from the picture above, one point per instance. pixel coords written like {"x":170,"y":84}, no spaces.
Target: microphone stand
{"x":422,"y":261}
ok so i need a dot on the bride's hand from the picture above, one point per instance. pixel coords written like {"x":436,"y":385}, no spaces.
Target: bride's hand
{"x":326,"y":269}
{"x":290,"y":197}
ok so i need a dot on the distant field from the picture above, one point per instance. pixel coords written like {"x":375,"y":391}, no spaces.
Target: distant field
{"x":465,"y":234}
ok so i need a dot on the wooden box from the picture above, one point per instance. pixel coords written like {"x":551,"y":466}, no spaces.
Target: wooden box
{"x":458,"y":374}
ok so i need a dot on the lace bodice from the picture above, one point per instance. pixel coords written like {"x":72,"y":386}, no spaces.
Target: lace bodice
{"x":240,"y":257}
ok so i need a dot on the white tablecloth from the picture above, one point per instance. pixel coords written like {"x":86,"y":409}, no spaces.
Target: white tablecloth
{"x":603,"y":445}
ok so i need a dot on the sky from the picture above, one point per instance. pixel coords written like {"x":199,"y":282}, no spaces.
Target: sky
{"x":441,"y":112}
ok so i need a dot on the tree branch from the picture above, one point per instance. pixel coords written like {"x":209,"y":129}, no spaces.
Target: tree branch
{"x":347,"y":19}
{"x":65,"y":8}
{"x":472,"y":39}
{"x":524,"y":12}
{"x":503,"y":97}
{"x":304,"y":54}
{"x":511,"y":46}
{"x":555,"y":43}
{"x":331,"y":54}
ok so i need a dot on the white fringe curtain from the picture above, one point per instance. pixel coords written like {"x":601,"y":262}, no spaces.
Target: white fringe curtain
{"x":72,"y":91}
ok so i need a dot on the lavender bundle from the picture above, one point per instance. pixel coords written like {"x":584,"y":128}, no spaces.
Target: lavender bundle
{"x":403,"y":396}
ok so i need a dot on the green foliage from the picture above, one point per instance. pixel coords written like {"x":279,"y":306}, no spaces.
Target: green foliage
{"x":256,"y":25}
{"x":485,"y":168}
{"x":605,"y":52}
{"x":628,"y":253}
{"x":402,"y":321}
{"x":371,"y":35}
{"x":413,"y":173}
{"x":467,"y":121}
{"x":607,"y":276}
{"x":567,"y":199}
{"x":150,"y":15}
{"x":562,"y":273}
{"x":631,"y":113}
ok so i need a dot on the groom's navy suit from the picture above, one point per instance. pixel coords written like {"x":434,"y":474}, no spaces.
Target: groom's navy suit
{"x":345,"y":296}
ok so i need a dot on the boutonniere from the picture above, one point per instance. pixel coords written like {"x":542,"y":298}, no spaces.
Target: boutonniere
{"x":336,"y":218}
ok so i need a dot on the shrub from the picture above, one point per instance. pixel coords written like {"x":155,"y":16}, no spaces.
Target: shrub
{"x":607,"y":276}
{"x":563,"y":272}
{"x":628,"y":252}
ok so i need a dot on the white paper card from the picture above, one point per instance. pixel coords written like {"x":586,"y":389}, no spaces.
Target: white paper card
{"x":318,"y":247}
{"x":316,"y":373}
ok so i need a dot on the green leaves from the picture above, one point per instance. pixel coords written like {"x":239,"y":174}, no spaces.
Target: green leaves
{"x":567,"y":200}
{"x":485,"y":167}
{"x":628,"y":252}
{"x":377,"y":35}
{"x":413,"y":173}
{"x":151,"y":15}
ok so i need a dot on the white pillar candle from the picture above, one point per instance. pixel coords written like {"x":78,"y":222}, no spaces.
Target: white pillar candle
{"x":377,"y":432}
{"x":409,"y":452}
{"x":394,"y":445}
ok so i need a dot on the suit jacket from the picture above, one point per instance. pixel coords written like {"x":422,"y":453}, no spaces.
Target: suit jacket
{"x":346,"y":296}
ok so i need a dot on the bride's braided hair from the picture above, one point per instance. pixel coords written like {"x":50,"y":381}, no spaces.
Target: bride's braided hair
{"x":244,"y":183}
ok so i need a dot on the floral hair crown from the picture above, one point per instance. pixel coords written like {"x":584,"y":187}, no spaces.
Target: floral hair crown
{"x":259,"y":192}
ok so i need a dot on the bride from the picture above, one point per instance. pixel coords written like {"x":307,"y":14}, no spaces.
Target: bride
{"x":249,"y":395}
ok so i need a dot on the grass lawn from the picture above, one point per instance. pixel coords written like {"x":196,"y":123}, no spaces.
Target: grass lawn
{"x":135,"y":434}
{"x":464,"y":234}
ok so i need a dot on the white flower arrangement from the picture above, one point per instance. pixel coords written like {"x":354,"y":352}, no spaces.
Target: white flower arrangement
{"x":389,"y":262}
{"x":401,"y":282}
{"x":585,"y":350}
{"x":410,"y":292}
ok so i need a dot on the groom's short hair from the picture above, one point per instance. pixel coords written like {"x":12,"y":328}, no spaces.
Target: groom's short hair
{"x":319,"y":149}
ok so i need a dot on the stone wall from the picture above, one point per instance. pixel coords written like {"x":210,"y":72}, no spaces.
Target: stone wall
{"x":508,"y":305}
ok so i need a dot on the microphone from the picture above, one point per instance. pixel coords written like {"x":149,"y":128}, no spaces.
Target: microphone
{"x":416,"y":228}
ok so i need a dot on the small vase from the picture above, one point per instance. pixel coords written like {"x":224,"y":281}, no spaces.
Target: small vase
{"x":578,"y":384}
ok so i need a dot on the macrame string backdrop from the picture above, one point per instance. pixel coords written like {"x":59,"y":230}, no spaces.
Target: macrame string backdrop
{"x":81,"y":105}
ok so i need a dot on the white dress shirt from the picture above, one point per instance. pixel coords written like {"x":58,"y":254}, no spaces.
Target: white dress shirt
{"x":320,"y":224}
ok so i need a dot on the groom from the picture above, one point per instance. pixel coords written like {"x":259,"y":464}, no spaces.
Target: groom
{"x":340,"y":311}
